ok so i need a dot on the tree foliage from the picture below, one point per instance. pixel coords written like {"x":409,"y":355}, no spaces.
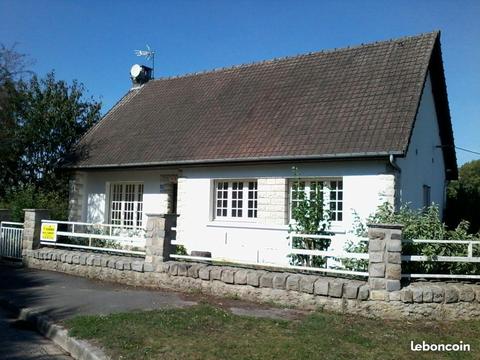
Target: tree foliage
{"x":52,"y":118}
{"x":463,"y":197}
{"x":41,"y":119}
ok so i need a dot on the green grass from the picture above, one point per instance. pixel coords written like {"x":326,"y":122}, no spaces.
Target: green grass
{"x":207,"y":332}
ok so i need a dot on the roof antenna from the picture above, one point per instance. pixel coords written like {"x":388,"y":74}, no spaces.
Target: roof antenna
{"x":149,"y":54}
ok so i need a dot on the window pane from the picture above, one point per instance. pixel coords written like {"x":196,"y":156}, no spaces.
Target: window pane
{"x":252,"y":202}
{"x":222,"y":198}
{"x":237,"y":193}
{"x":331,"y":192}
{"x":126,"y":204}
{"x":139,"y":205}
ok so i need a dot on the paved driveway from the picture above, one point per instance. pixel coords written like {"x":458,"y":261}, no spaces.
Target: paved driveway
{"x":62,"y":296}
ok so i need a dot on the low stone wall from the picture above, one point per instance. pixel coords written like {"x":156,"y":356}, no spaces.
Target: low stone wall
{"x":416,"y":301}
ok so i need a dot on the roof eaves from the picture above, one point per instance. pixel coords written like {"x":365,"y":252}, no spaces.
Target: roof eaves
{"x":338,"y":156}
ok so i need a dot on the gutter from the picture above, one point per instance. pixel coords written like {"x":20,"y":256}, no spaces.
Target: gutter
{"x":324,"y":157}
{"x":391,"y":158}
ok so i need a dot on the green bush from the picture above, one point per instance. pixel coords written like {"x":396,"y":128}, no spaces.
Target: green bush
{"x":426,"y":224}
{"x":30,"y":197}
{"x":180,"y":250}
{"x":360,"y":230}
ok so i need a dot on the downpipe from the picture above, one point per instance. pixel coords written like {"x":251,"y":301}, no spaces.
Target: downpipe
{"x":397,"y":185}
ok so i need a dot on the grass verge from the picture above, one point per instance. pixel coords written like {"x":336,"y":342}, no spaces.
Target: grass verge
{"x":208,"y":332}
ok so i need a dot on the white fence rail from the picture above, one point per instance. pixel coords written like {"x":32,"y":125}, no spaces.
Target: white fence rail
{"x":11,"y":235}
{"x":328,"y":254}
{"x":469,"y":258}
{"x":99,"y":237}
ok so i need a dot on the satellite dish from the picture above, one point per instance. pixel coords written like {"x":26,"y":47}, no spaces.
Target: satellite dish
{"x":135,"y":70}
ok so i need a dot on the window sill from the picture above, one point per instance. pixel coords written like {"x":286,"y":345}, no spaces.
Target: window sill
{"x":245,"y":225}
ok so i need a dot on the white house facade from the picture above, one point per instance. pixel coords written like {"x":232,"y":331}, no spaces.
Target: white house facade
{"x":219,"y":148}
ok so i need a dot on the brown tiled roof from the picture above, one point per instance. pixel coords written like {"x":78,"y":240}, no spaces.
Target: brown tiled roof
{"x":358,"y":101}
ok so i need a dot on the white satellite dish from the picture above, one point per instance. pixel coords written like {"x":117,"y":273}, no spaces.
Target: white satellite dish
{"x":135,"y":70}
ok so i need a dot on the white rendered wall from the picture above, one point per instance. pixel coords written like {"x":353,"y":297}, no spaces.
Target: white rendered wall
{"x":365,"y":185}
{"x":157,"y":188}
{"x":423,"y":164}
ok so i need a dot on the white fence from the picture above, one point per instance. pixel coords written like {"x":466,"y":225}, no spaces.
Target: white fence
{"x":469,"y":258}
{"x":332,"y":267}
{"x":11,"y":235}
{"x":99,"y":237}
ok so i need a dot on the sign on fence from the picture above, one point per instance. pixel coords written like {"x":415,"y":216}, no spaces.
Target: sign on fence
{"x":48,"y":232}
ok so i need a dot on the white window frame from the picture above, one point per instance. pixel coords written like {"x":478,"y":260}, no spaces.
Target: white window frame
{"x":326,"y":195}
{"x":229,"y":208}
{"x":138,"y":205}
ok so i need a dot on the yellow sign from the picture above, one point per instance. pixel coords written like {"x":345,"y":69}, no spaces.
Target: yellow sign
{"x":48,"y":232}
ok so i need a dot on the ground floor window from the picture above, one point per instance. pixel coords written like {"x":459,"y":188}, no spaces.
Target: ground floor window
{"x":427,"y":196}
{"x":331,"y":191}
{"x":236,"y":199}
{"x":126,"y":204}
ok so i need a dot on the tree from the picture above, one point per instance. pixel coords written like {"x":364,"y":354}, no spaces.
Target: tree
{"x":463,"y":197}
{"x":41,"y":120}
{"x":53,"y":116}
{"x":12,"y":70}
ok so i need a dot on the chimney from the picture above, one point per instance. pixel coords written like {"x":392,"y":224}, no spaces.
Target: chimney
{"x":140,"y":74}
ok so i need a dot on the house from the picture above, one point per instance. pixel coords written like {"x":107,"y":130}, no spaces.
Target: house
{"x":366,"y":124}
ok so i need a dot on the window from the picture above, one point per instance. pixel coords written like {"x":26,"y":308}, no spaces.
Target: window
{"x":331,"y":192}
{"x":236,"y":199}
{"x":426,"y":196}
{"x":126,"y":204}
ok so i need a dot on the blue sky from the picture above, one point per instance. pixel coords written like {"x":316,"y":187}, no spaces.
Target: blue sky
{"x":93,"y":41}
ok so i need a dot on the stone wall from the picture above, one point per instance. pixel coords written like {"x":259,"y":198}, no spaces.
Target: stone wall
{"x":76,"y":196}
{"x":417,"y":301}
{"x":273,"y":201}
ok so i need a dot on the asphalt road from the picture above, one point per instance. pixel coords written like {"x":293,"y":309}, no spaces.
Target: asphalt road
{"x":19,"y":342}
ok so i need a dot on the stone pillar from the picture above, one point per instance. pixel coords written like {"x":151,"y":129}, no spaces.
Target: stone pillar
{"x":385,"y":262}
{"x":32,"y":225}
{"x":5,"y":215}
{"x":158,"y":238}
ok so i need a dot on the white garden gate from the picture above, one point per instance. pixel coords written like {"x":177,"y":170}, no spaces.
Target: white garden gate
{"x":11,"y":235}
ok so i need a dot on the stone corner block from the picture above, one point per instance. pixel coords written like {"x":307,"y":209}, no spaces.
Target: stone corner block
{"x":280,"y":280}
{"x":307,"y":283}
{"x":293,"y":282}
{"x":240,"y":277}
{"x":378,"y":295}
{"x":228,"y":276}
{"x":266,"y":280}
{"x":253,"y":277}
{"x":321,"y":286}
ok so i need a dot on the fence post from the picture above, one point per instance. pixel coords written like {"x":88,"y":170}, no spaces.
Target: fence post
{"x":5,"y":215}
{"x":385,"y":259}
{"x":32,"y":225}
{"x":158,"y":245}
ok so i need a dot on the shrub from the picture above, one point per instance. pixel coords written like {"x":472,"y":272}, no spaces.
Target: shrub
{"x":30,"y":197}
{"x":425,"y":224}
{"x":309,"y":218}
{"x":360,"y":230}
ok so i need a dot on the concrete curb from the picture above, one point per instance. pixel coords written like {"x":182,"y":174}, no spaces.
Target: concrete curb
{"x":78,"y":349}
